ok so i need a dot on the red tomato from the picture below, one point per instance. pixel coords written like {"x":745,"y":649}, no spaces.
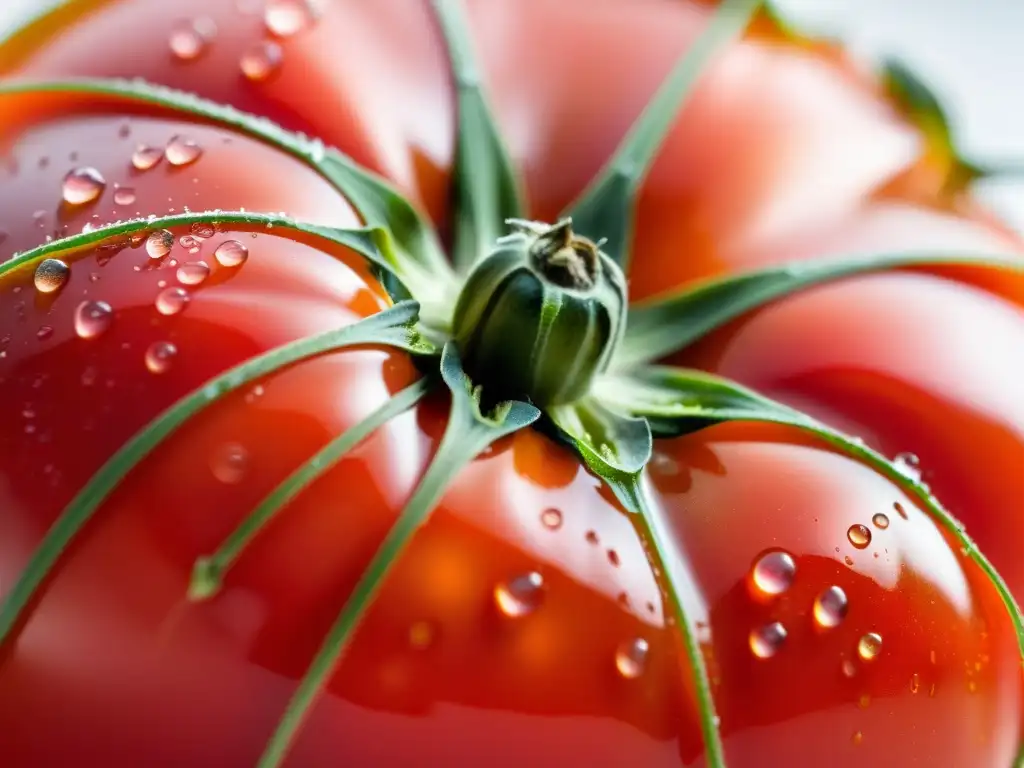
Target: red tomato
{"x":785,"y":151}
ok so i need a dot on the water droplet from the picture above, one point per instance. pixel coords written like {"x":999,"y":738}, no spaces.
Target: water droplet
{"x":202,"y":230}
{"x":124,"y":196}
{"x":159,"y":356}
{"x":231,"y":253}
{"x":880,"y":520}
{"x":848,"y":560}
{"x":189,"y":39}
{"x":773,"y":573}
{"x":591,"y":537}
{"x":915,"y":683}
{"x":869,"y":646}
{"x":92,"y":318}
{"x":631,"y":658}
{"x":859,"y":535}
{"x":159,"y":244}
{"x":766,"y":641}
{"x":613,"y":558}
{"x":170,"y":301}
{"x":287,"y":17}
{"x":51,"y":275}
{"x":261,"y":61}
{"x":900,"y":510}
{"x":193,"y":272}
{"x":864,"y":701}
{"x":857,"y":738}
{"x":830,"y":607}
{"x":83,"y":185}
{"x":849,"y":669}
{"x":908,"y":465}
{"x":521,"y":595}
{"x":145,"y":157}
{"x":229,"y":463}
{"x":181,"y":150}
{"x":551,"y":518}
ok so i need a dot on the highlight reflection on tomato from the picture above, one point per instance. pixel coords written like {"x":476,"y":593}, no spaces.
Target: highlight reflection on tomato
{"x":477,"y":484}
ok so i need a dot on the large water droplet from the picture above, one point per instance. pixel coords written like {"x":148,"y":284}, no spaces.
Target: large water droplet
{"x":170,"y":301}
{"x":869,"y":646}
{"x":231,"y":253}
{"x":229,"y":463}
{"x":881,"y":521}
{"x":766,"y":641}
{"x":145,"y":157}
{"x":193,"y":272}
{"x":521,"y":595}
{"x":859,"y":535}
{"x":159,"y":244}
{"x":83,"y":185}
{"x":551,"y":518}
{"x":51,"y":275}
{"x":181,"y":150}
{"x":287,"y":17}
{"x":124,"y":196}
{"x":160,"y":355}
{"x":773,"y":573}
{"x":830,"y":607}
{"x":92,"y":318}
{"x":631,"y":658}
{"x":261,"y":61}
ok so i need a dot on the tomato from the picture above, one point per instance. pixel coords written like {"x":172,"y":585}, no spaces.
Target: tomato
{"x":840,"y":623}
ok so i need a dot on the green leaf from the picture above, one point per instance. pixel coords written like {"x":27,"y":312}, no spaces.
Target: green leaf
{"x":209,"y":572}
{"x":419,"y":258}
{"x":468,"y":433}
{"x":917,"y":100}
{"x":665,"y":324}
{"x":680,"y":401}
{"x":485,"y":190}
{"x":605,"y":209}
{"x":392,"y":327}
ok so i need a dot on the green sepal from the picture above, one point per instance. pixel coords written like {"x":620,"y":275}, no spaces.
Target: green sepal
{"x":469,"y":432}
{"x":664,"y":324}
{"x":604,"y":212}
{"x":484,"y":187}
{"x":393,"y":327}
{"x":209,"y":571}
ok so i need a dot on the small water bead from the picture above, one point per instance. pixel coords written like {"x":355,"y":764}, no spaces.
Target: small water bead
{"x":288,"y":17}
{"x":202,"y":230}
{"x":171,"y":301}
{"x":908,"y":464}
{"x":159,"y":244}
{"x":592,"y":537}
{"x":849,"y":669}
{"x":231,"y":253}
{"x":915,"y":683}
{"x":260,"y":62}
{"x":773,"y":573}
{"x":193,"y":272}
{"x":766,"y":641}
{"x":229,"y":463}
{"x":859,"y":535}
{"x":521,"y":595}
{"x":51,"y":275}
{"x":181,"y":150}
{"x":145,"y":157}
{"x":551,"y":518}
{"x":857,"y":738}
{"x":160,"y":355}
{"x":82,"y":185}
{"x":900,"y":510}
{"x":92,"y":318}
{"x":869,"y":646}
{"x":880,"y":520}
{"x":631,"y":658}
{"x":124,"y":196}
{"x":831,"y":607}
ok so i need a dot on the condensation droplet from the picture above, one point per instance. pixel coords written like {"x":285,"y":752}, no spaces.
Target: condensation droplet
{"x":766,"y":641}
{"x":181,"y":150}
{"x":288,"y":17}
{"x":229,"y":463}
{"x":551,"y":518}
{"x":915,"y":683}
{"x":849,"y":668}
{"x":261,"y":61}
{"x":859,"y":535}
{"x":159,"y":243}
{"x":421,"y":635}
{"x":880,"y":520}
{"x":44,"y":332}
{"x":830,"y":607}
{"x":900,"y":510}
{"x":185,"y":42}
{"x":160,"y":355}
{"x":124,"y":196}
{"x":869,"y":646}
{"x":857,"y":738}
{"x":521,"y":595}
{"x":170,"y":301}
{"x":592,"y":538}
{"x":92,"y":318}
{"x":631,"y":658}
{"x":145,"y":157}
{"x":51,"y":275}
{"x":193,"y":272}
{"x":908,"y":465}
{"x":664,"y":465}
{"x":202,"y":230}
{"x":864,"y":701}
{"x":773,"y":573}
{"x":231,"y":253}
{"x":82,"y":185}
{"x":613,"y":558}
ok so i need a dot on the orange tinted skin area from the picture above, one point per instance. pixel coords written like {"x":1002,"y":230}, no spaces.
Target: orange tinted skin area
{"x":784,"y":152}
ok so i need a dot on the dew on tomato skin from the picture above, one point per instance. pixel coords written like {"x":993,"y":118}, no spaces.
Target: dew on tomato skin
{"x":592,"y":538}
{"x":915,"y":683}
{"x":145,"y":157}
{"x":773,"y":573}
{"x":159,"y":244}
{"x":189,"y":39}
{"x":766,"y":641}
{"x":857,"y":738}
{"x":82,"y":185}
{"x":551,"y":518}
{"x":51,"y":275}
{"x":124,"y":196}
{"x":285,"y":18}
{"x":190,"y":243}
{"x":830,"y":607}
{"x":880,"y":520}
{"x":260,"y":62}
{"x":864,"y":701}
{"x":520,"y":595}
{"x":181,"y":150}
{"x":202,"y":230}
{"x":159,"y":356}
{"x":613,"y":558}
{"x":849,"y":668}
{"x":900,"y":510}
{"x":171,"y":301}
{"x":908,"y":465}
{"x":869,"y":646}
{"x":93,"y":318}
{"x":421,"y":635}
{"x":859,"y":535}
{"x":631,"y":658}
{"x":193,"y":272}
{"x":231,"y":253}
{"x":848,"y":560}
{"x":229,"y":463}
